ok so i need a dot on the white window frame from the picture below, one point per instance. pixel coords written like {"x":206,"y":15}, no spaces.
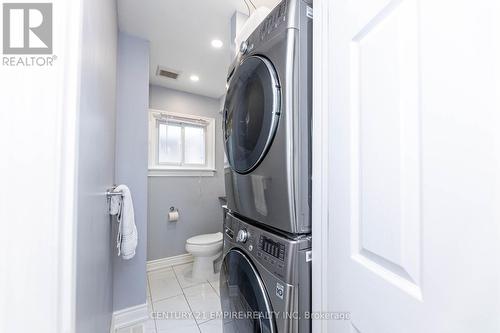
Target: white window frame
{"x":164,"y":169}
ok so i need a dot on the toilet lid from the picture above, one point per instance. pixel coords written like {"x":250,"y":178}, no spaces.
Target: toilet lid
{"x":205,"y":239}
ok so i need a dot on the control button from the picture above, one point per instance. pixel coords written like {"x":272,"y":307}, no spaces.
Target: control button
{"x":243,"y":47}
{"x":250,"y":247}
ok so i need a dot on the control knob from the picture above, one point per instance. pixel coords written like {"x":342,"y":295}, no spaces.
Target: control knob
{"x":242,"y":236}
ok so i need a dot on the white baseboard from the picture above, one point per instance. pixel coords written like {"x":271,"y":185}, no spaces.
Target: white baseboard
{"x":153,"y":265}
{"x":129,"y":316}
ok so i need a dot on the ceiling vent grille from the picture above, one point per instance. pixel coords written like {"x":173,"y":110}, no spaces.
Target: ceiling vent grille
{"x":168,"y":73}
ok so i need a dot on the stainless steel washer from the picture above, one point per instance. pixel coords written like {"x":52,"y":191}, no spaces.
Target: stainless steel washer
{"x":264,"y":280}
{"x":267,"y":121}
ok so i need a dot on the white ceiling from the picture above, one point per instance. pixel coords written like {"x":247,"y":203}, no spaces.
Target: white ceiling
{"x":180,"y":32}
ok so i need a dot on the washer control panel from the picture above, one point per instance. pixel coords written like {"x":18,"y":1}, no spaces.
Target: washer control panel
{"x":277,"y":253}
{"x":269,"y":249}
{"x":272,"y":253}
{"x":273,"y":248}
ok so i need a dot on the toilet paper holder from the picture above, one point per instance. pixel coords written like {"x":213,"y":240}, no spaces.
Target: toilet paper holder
{"x":173,"y":214}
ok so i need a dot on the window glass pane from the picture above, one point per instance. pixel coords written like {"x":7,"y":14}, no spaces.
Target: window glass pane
{"x":194,"y":145}
{"x":169,"y":145}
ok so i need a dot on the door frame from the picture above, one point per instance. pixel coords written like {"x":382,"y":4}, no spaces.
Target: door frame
{"x":39,"y":252}
{"x":69,"y":85}
{"x":322,"y":74}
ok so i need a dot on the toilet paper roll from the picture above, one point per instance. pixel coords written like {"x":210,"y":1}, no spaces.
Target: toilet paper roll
{"x":173,"y":216}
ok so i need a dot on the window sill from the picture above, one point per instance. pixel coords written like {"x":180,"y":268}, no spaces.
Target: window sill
{"x":181,"y":173}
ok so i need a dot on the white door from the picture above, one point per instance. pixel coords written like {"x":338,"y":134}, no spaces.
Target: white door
{"x":413,"y":168}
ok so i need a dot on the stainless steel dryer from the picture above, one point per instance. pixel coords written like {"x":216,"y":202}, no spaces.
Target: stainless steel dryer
{"x":265,"y":280}
{"x":267,"y":121}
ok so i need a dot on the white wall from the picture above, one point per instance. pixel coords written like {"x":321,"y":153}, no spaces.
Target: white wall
{"x":195,"y":197}
{"x":131,"y":162}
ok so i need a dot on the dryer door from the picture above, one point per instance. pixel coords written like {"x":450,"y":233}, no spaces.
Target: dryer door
{"x":251,"y":113}
{"x":242,"y":292}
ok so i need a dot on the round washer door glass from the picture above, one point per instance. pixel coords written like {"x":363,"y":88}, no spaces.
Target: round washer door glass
{"x":251,"y":113}
{"x":242,"y":291}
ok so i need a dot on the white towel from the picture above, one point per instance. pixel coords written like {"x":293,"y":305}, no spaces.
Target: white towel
{"x":115,"y":205}
{"x":126,"y":240}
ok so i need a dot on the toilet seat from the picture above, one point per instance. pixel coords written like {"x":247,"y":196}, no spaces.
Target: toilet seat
{"x":206,"y":239}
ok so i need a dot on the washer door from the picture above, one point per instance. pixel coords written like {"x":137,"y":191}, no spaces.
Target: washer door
{"x":242,"y":292}
{"x":251,"y":113}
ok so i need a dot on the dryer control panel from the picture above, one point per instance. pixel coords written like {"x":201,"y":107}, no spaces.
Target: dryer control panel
{"x":273,"y":20}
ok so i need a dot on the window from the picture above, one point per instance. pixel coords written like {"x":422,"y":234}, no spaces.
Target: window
{"x":181,"y":145}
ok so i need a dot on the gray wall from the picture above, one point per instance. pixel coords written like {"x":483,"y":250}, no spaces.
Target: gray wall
{"x":131,"y":162}
{"x":195,"y":197}
{"x":96,"y":164}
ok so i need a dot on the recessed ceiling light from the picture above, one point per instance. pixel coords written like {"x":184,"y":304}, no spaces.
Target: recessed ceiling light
{"x":194,"y":78}
{"x":217,"y":43}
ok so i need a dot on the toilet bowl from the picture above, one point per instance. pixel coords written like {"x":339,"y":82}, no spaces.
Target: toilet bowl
{"x":205,"y":249}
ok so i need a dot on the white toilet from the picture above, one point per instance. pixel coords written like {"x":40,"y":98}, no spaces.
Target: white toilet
{"x":205,"y":249}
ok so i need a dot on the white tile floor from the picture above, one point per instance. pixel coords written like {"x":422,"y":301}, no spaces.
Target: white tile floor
{"x":193,"y":303}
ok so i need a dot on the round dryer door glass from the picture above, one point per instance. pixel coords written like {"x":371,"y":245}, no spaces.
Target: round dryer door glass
{"x":251,"y":113}
{"x":242,"y":291}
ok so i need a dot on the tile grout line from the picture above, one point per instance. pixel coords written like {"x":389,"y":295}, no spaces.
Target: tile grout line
{"x":171,"y":268}
{"x":164,"y":299}
{"x":210,"y":283}
{"x":215,"y":291}
{"x":151,"y":300}
{"x":183,"y":294}
{"x":169,"y":297}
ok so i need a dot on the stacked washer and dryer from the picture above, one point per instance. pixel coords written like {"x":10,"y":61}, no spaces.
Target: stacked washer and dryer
{"x":265,"y":279}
